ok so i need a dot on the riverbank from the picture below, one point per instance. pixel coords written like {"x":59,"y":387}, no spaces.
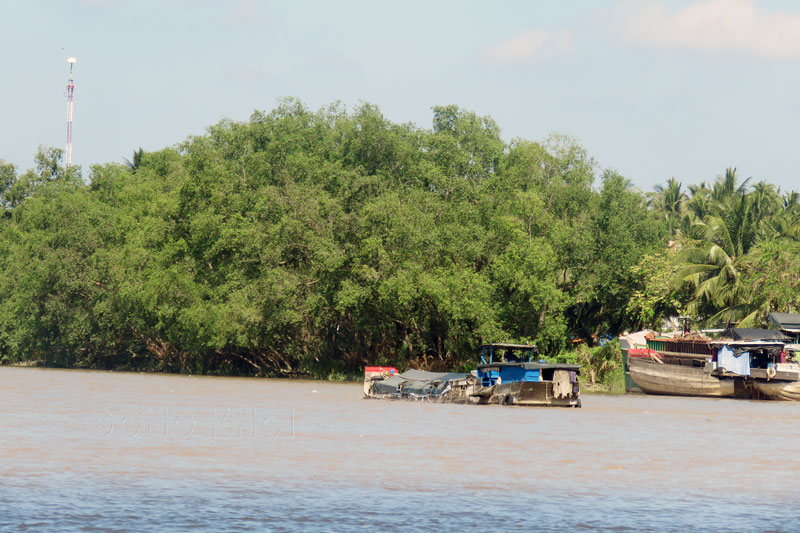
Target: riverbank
{"x":614,"y":382}
{"x":601,"y":369}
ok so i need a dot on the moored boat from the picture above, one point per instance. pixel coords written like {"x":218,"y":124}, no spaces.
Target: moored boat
{"x":774,"y":373}
{"x":507,"y":375}
{"x":743,"y":363}
{"x":678,"y":365}
{"x":653,"y":376}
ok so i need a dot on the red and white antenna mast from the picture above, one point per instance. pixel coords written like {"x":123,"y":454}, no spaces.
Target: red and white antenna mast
{"x":70,"y":91}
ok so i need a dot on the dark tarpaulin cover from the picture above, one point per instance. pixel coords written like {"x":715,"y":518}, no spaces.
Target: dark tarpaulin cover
{"x":416,"y":382}
{"x":752,"y":334}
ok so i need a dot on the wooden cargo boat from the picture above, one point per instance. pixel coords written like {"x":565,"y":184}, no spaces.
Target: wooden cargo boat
{"x":653,"y":376}
{"x":678,"y":366}
{"x":759,"y":359}
{"x":774,"y":372}
{"x":507,"y":375}
{"x":744,"y":363}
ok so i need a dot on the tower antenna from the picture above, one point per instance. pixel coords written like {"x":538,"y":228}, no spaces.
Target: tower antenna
{"x":70,"y":93}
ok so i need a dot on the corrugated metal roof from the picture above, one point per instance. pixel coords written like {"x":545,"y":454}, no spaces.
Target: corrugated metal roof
{"x":785,"y":320}
{"x":505,"y":345}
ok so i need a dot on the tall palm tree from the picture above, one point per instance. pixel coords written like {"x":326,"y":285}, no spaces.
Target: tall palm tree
{"x":728,"y":186}
{"x":791,"y":200}
{"x":699,"y":203}
{"x":137,"y":160}
{"x":787,"y":219}
{"x":766,"y":200}
{"x":732,"y":223}
{"x":669,"y":202}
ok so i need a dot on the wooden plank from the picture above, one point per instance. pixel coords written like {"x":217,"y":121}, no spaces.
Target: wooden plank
{"x":686,"y":355}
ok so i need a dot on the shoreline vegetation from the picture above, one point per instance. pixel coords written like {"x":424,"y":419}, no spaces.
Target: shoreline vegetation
{"x":614,"y":385}
{"x":313,"y":243}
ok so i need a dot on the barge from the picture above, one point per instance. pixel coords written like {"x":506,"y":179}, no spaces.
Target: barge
{"x":507,"y":375}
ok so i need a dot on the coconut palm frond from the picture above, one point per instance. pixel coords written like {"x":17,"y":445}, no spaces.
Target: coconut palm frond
{"x":718,"y":256}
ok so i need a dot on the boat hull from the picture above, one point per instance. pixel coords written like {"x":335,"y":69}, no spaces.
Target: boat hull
{"x":779,"y":390}
{"x":654,"y":377}
{"x":530,"y":393}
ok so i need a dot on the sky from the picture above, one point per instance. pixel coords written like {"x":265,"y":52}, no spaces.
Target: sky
{"x":652,"y":89}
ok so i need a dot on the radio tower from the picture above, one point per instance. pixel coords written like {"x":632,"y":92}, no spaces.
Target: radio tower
{"x":70,"y":91}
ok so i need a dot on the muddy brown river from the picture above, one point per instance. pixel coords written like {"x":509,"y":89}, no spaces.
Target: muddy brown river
{"x":108,"y":451}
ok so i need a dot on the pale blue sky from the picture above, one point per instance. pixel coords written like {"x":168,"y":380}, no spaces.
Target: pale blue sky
{"x":653,"y":89}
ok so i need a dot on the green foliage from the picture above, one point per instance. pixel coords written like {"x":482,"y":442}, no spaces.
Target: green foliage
{"x":8,"y":176}
{"x":655,"y":295}
{"x":47,"y":172}
{"x":623,"y":232}
{"x":670,"y":204}
{"x":725,"y":222}
{"x":313,"y":243}
{"x":772,"y":278}
{"x":599,"y":361}
{"x":601,"y":366}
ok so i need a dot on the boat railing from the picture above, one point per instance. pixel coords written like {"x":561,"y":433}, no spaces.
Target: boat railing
{"x":682,"y":347}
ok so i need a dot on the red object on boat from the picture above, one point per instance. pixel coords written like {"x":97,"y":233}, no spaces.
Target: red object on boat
{"x":642,"y":352}
{"x":379,"y":369}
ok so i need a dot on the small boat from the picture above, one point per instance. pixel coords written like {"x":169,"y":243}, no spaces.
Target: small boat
{"x":507,"y":375}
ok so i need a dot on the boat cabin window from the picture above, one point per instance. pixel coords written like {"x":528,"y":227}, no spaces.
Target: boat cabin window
{"x":763,"y":358}
{"x":491,"y":353}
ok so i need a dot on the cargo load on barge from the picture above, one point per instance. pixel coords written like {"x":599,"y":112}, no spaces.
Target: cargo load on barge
{"x":507,"y":375}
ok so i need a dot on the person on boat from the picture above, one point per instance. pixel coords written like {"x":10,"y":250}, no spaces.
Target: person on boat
{"x":510,"y":357}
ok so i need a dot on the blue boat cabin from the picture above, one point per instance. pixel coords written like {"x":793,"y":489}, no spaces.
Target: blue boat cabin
{"x":503,"y":363}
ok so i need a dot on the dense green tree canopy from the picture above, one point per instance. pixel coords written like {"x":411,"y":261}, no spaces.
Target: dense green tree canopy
{"x":318,"y":242}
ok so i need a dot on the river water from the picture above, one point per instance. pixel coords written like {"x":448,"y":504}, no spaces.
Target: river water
{"x":107,"y":451}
